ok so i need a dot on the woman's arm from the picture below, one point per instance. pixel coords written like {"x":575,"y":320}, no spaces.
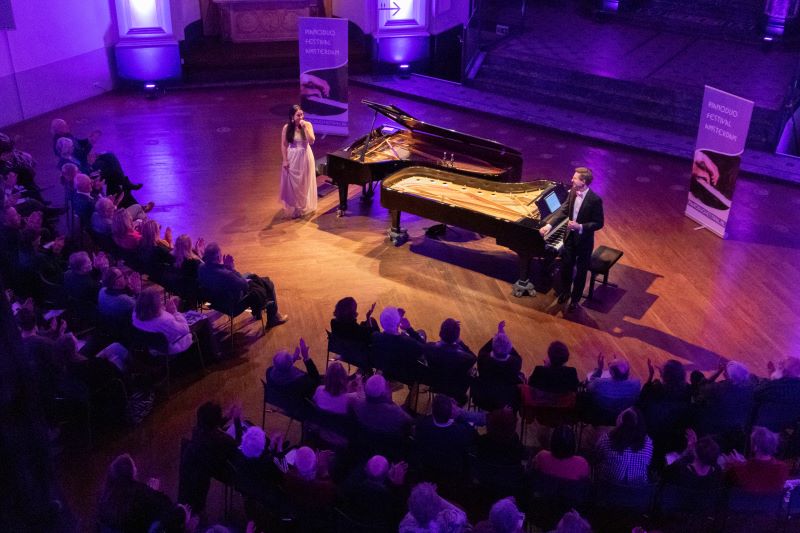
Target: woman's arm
{"x":309,"y":132}
{"x":283,"y":147}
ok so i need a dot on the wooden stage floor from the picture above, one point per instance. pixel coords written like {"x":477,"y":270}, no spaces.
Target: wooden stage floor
{"x":210,"y":160}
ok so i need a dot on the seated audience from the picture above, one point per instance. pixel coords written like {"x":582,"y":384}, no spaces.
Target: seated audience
{"x":450,"y":362}
{"x":154,"y":252}
{"x":398,"y":349}
{"x":117,"y":182}
{"x":123,"y":232}
{"x":287,"y":385}
{"x":609,"y":395}
{"x":345,"y":325}
{"x":150,"y":315}
{"x":554,"y":377}
{"x":441,"y":442}
{"x":126,"y":504}
{"x":625,"y":452}
{"x":573,"y":522}
{"x":80,"y":282}
{"x":666,"y":406}
{"x":38,"y":350}
{"x":779,"y":396}
{"x":334,"y":394}
{"x":560,"y":460}
{"x":723,"y":408}
{"x":762,"y":472}
{"x":227,"y":287}
{"x":501,"y":444}
{"x":424,"y":506}
{"x":83,"y":203}
{"x":499,"y":373}
{"x":375,"y":493}
{"x":256,"y":474}
{"x":697,"y":467}
{"x":82,"y":148}
{"x":308,"y":484}
{"x":504,"y":517}
{"x":377,"y":412}
{"x":101,"y":221}
{"x":117,"y":297}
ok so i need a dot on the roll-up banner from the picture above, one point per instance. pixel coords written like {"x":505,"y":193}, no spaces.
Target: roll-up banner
{"x":323,"y":73}
{"x":724,"y":121}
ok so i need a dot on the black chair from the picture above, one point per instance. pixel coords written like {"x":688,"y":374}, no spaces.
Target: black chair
{"x":351,"y":352}
{"x":603,"y":258}
{"x":497,"y":480}
{"x":230,"y":306}
{"x":776,"y":416}
{"x":448,"y":373}
{"x":52,"y":294}
{"x":693,"y":505}
{"x":550,"y":497}
{"x":327,"y":430}
{"x":292,"y":408}
{"x":156,"y":345}
{"x":618,"y":501}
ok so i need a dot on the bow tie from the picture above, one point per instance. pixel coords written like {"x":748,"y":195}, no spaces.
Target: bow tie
{"x":580,"y":194}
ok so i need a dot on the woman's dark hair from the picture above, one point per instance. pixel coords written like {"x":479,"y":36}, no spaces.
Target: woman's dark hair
{"x":558,"y":353}
{"x":290,"y":125}
{"x":674,"y":374}
{"x":707,"y":451}
{"x":345,"y":310}
{"x":209,"y":416}
{"x":148,"y":304}
{"x":336,"y":379}
{"x":630,"y":431}
{"x":562,"y":442}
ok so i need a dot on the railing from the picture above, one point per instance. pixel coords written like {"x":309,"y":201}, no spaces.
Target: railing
{"x":490,"y":22}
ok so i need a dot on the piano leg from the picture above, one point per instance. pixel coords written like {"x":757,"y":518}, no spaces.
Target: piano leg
{"x":367,"y":192}
{"x":397,"y":235}
{"x":342,"y":199}
{"x":523,"y":286}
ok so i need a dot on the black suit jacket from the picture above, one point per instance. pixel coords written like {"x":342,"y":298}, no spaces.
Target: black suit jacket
{"x":590,"y":216}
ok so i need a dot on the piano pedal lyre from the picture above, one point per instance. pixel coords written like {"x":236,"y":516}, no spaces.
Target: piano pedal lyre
{"x":523,"y":288}
{"x":398,"y":236}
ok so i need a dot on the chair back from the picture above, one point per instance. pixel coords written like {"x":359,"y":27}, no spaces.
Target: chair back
{"x":194,"y":479}
{"x":448,"y":372}
{"x":548,"y":409}
{"x":151,"y":341}
{"x":350,"y":351}
{"x":776,"y":416}
{"x":499,"y":480}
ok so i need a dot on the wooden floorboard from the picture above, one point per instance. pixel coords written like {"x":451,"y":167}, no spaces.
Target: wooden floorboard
{"x":210,"y":160}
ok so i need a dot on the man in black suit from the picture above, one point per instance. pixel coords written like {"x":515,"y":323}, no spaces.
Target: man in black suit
{"x":584,"y":209}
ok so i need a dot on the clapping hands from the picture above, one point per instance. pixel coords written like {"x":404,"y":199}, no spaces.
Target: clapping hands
{"x":227,"y":260}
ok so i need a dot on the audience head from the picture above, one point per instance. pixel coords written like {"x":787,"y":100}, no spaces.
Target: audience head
{"x":390,"y":319}
{"x":65,"y":147}
{"x":442,"y":409}
{"x":572,"y":522}
{"x":673,"y":374}
{"x":182,"y":249}
{"x":6,"y":144}
{"x":450,"y":521}
{"x":11,"y":218}
{"x":148,"y":304}
{"x":346,"y":309}
{"x":282,"y":361}
{"x":619,"y":369}
{"x":105,"y":207}
{"x":763,"y":441}
{"x":121,"y":471}
{"x":26,"y":320}
{"x":83,"y":183}
{"x":174,"y":520}
{"x":505,"y":516}
{"x":209,"y":416}
{"x":557,"y":354}
{"x":69,"y":171}
{"x":375,"y":388}
{"x":501,"y":346}
{"x":254,"y":441}
{"x":562,"y":442}
{"x":30,"y":239}
{"x":305,"y":461}
{"x":114,"y":279}
{"x":501,"y":425}
{"x":336,"y":379}
{"x":630,"y":431}
{"x":450,"y":331}
{"x":737,"y":373}
{"x":150,"y":233}
{"x":80,"y":262}
{"x":212,"y":253}
{"x":585,"y":175}
{"x":424,"y":504}
{"x":59,"y":126}
{"x":121,"y":223}
{"x":377,"y":467}
{"x":706,"y":450}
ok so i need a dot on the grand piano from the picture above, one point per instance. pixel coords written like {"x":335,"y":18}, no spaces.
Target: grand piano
{"x":387,"y":149}
{"x":512,"y":213}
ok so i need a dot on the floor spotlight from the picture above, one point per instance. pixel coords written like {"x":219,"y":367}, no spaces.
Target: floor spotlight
{"x":151,"y":91}
{"x":405,"y":70}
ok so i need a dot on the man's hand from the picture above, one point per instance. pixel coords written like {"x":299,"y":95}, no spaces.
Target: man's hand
{"x":170,"y":307}
{"x":303,"y":349}
{"x":235,"y":411}
{"x":371,"y":310}
{"x":544,"y":230}
{"x":296,"y":356}
{"x":601,"y":360}
{"x":650,"y":369}
{"x":574,"y":226}
{"x":397,"y":473}
{"x":200,"y":246}
{"x":704,"y":168}
{"x":311,"y":85}
{"x":135,"y":282}
{"x":227,"y":260}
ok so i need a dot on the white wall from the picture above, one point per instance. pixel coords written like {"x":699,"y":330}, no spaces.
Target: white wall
{"x":58,"y":54}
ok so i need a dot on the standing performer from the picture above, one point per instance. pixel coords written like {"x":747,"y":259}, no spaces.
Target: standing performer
{"x":298,"y":174}
{"x":584,"y":208}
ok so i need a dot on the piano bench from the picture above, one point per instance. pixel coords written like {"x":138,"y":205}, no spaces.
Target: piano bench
{"x":603,"y":258}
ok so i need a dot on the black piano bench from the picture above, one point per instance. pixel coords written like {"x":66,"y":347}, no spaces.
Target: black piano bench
{"x":603,"y":258}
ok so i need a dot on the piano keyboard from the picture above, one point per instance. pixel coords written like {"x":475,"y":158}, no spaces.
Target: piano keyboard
{"x":555,"y":239}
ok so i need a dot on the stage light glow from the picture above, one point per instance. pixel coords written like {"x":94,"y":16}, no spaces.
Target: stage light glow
{"x":144,"y":13}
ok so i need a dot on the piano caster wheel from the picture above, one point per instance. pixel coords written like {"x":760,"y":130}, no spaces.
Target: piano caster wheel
{"x":523,"y":288}
{"x":340,"y":213}
{"x":398,"y":237}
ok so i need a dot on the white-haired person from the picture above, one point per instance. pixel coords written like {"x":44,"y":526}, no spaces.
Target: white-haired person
{"x":288,"y":386}
{"x":499,"y":372}
{"x":257,"y":476}
{"x":610,"y":392}
{"x":782,"y":393}
{"x":377,"y":412}
{"x":504,"y":517}
{"x":375,"y":492}
{"x":81,"y":281}
{"x":399,"y":349}
{"x":309,"y":487}
{"x":424,"y":506}
{"x":762,"y":472}
{"x":723,"y":408}
{"x":82,"y":148}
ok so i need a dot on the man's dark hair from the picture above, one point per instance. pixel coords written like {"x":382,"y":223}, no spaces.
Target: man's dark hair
{"x":558,"y":353}
{"x":562,"y":442}
{"x":630,"y":431}
{"x":450,"y":331}
{"x":209,"y":416}
{"x":707,"y":451}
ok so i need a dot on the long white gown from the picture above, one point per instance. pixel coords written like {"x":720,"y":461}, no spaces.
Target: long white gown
{"x":298,"y":192}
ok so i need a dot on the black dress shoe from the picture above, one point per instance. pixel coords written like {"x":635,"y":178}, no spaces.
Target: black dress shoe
{"x":563,"y":297}
{"x":573,"y":306}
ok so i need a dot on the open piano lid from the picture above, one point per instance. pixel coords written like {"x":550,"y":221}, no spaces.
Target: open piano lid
{"x":407,"y":121}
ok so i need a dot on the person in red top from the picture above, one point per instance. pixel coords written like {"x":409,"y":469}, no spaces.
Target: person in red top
{"x":762,"y":472}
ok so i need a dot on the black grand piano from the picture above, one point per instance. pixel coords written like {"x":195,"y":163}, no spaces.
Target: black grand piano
{"x":512,"y":213}
{"x":386,"y":149}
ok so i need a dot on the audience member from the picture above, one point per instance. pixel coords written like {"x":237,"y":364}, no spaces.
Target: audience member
{"x":150,"y":315}
{"x":375,"y":493}
{"x":117,"y":297}
{"x":345,"y":325}
{"x":609,"y":395}
{"x":450,"y":362}
{"x":560,"y":460}
{"x":117,"y":182}
{"x":499,"y":373}
{"x":697,"y":467}
{"x":781,"y":394}
{"x":501,"y":444}
{"x":288,"y":387}
{"x":309,"y":486}
{"x":554,"y":377}
{"x":83,"y":203}
{"x":424,"y":505}
{"x":624,"y":453}
{"x":724,"y":408}
{"x":666,"y":406}
{"x":441,"y":442}
{"x":504,"y":517}
{"x":377,"y":412}
{"x":334,"y":394}
{"x":218,"y":276}
{"x":762,"y":472}
{"x":154,"y":252}
{"x":80,"y":282}
{"x":398,"y":349}
{"x":123,"y":232}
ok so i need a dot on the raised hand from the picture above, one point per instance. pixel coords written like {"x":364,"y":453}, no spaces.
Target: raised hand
{"x":303,"y":349}
{"x":171,"y":307}
{"x":501,"y":326}
{"x":227,"y":260}
{"x":296,"y":355}
{"x":397,"y":473}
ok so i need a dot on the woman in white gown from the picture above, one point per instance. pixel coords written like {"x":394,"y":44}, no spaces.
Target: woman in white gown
{"x":298,"y":174}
